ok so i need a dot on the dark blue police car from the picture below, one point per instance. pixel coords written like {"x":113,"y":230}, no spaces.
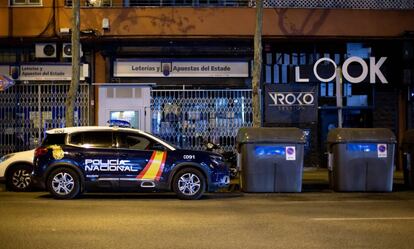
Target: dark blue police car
{"x":77,"y":159}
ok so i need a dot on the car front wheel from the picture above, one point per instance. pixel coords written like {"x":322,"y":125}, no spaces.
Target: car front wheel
{"x":19,"y":178}
{"x":64,"y":183}
{"x":189,"y":184}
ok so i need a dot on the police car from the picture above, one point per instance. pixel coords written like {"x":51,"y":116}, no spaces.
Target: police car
{"x":77,"y":159}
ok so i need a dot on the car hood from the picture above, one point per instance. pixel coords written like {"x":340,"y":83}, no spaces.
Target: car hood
{"x":26,"y":156}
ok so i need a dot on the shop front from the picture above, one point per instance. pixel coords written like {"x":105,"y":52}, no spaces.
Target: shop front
{"x":322,"y":85}
{"x":180,"y":100}
{"x":314,"y":85}
{"x":36,"y":103}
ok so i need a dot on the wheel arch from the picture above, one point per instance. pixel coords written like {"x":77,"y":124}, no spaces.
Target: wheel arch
{"x":65,"y":165}
{"x":7,"y":172}
{"x":14,"y":164}
{"x":192,"y":165}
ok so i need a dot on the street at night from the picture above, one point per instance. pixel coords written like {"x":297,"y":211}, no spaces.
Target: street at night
{"x":206,"y":124}
{"x":223,"y":220}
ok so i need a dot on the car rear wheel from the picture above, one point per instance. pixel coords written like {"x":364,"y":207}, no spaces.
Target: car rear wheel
{"x":19,"y":178}
{"x":189,"y":184}
{"x":64,"y":183}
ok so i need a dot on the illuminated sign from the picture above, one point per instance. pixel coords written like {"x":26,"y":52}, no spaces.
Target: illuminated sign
{"x":292,"y":98}
{"x":371,"y":69}
{"x":141,"y":68}
{"x":51,"y":72}
{"x":290,"y":103}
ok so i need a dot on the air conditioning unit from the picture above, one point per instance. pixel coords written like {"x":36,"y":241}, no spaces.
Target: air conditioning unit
{"x":67,"y":50}
{"x":45,"y":50}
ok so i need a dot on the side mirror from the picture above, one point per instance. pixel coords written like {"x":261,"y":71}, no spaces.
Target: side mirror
{"x":210,"y":146}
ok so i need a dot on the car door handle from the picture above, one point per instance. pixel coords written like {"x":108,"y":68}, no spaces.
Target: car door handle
{"x":124,"y":155}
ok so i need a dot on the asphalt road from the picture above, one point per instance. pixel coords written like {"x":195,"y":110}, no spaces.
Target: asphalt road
{"x":224,"y":220}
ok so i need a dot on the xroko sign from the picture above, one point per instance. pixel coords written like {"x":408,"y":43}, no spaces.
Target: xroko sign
{"x":292,"y":98}
{"x":290,"y":103}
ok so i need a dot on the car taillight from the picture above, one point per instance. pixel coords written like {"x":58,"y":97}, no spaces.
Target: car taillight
{"x":40,"y":151}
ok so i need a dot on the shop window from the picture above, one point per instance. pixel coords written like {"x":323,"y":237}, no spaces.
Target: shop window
{"x":286,"y":59}
{"x":284,"y":74}
{"x":302,"y":58}
{"x":331,"y":87}
{"x":26,"y":2}
{"x":294,"y":59}
{"x":268,"y":72}
{"x":327,"y":89}
{"x":276,"y":74}
{"x":358,"y":49}
{"x":268,"y":58}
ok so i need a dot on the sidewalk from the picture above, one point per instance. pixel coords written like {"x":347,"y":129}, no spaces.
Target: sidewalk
{"x":317,"y":179}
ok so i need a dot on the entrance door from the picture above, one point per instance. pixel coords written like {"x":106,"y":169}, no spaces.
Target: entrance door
{"x":100,"y":158}
{"x":127,"y":102}
{"x":134,"y":150}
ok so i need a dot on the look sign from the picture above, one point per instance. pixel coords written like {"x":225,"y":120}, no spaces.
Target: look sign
{"x":373,"y":71}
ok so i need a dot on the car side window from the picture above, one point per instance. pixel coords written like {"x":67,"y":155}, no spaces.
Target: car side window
{"x":76,"y":139}
{"x":52,"y":139}
{"x":132,"y":141}
{"x":157,"y":146}
{"x":93,"y":139}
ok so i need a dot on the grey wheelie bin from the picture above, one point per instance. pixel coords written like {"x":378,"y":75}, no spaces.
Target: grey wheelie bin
{"x":271,"y":159}
{"x":408,"y":149}
{"x":361,"y":159}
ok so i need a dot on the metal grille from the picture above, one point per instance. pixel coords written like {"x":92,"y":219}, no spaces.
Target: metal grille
{"x":182,"y":116}
{"x":27,"y":111}
{"x":339,"y":4}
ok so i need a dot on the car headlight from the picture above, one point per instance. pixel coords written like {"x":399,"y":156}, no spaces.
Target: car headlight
{"x":5,"y":157}
{"x":216,"y":160}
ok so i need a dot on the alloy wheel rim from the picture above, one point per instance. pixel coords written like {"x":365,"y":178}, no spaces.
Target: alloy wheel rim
{"x":63,"y":183}
{"x":189,"y":184}
{"x":21,"y":179}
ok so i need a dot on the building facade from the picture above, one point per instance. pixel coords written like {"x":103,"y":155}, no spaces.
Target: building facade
{"x":182,"y":69}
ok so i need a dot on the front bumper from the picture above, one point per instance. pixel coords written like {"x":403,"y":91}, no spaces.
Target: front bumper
{"x":220,"y":181}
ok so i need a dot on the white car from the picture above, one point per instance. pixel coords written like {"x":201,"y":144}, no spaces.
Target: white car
{"x":16,"y":169}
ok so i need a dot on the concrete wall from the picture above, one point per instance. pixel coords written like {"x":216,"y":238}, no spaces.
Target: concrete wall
{"x":206,"y":22}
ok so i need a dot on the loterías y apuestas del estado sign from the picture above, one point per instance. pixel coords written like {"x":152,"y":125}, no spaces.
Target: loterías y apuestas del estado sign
{"x":354,"y":70}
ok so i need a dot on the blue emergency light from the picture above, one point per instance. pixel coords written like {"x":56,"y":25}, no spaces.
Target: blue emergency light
{"x":119,"y":123}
